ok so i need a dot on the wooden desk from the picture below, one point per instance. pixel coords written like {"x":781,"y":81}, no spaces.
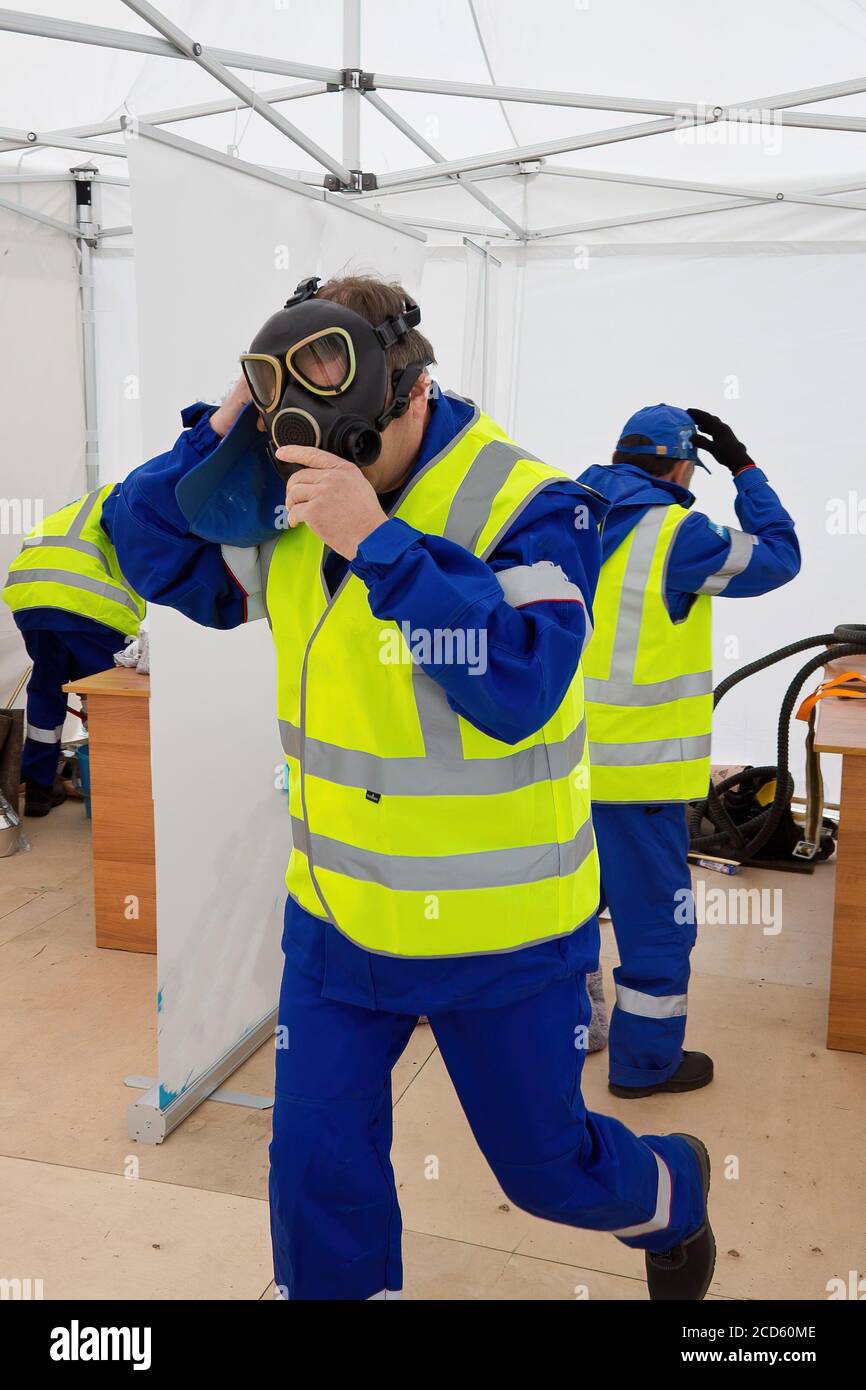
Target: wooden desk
{"x":841,"y":728}
{"x":121,"y":799}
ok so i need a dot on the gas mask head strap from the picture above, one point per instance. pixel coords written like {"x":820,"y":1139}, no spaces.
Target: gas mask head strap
{"x":395,"y":328}
{"x":307,"y":289}
{"x":401,"y":387}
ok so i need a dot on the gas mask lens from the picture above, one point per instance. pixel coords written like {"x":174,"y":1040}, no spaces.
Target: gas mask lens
{"x":263,"y":379}
{"x":324,"y":363}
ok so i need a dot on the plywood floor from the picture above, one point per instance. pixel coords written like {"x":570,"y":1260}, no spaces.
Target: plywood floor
{"x":95,"y":1216}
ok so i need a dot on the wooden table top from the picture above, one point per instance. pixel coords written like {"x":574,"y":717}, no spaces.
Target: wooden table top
{"x":841,"y":724}
{"x":118,"y":681}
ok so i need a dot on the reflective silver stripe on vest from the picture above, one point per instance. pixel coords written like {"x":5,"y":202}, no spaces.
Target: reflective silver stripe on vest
{"x":632,"y":1001}
{"x":467,"y":517}
{"x":653,"y":693}
{"x":492,"y":868}
{"x":472,"y":502}
{"x":661,"y":1217}
{"x":106,"y":589}
{"x":440,"y":725}
{"x":44,"y":735}
{"x":620,"y":688}
{"x":543,"y":582}
{"x":423,"y":777}
{"x":71,"y":539}
{"x":634,"y":584}
{"x":649,"y":751}
{"x":83,"y":547}
{"x":738,"y":557}
{"x":266,"y":555}
{"x":79,"y":521}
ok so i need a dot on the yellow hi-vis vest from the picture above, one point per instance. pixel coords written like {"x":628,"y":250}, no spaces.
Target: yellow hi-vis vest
{"x":68,"y":562}
{"x":414,"y":833}
{"x":649,"y":680}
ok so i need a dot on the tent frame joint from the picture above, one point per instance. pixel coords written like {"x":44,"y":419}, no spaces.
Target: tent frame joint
{"x":357,"y":80}
{"x":360,"y":182}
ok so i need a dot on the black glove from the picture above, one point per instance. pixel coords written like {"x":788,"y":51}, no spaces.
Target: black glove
{"x":723,"y":444}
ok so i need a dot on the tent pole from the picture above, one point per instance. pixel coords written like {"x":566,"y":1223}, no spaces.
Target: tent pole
{"x":351,"y":95}
{"x":516,"y":339}
{"x":485,"y":254}
{"x":522,"y":153}
{"x":211,"y":65}
{"x":757,"y":199}
{"x":43,"y":27}
{"x":436,"y":224}
{"x":686,"y":185}
{"x":261,"y":171}
{"x":8,"y":206}
{"x":170,"y":117}
{"x":29,"y":139}
{"x":417,"y":139}
{"x":88,"y":230}
{"x":32,"y":178}
{"x":593,"y":102}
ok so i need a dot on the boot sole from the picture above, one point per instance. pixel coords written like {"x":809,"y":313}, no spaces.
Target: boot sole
{"x":670,"y":1088}
{"x":701,"y":1153}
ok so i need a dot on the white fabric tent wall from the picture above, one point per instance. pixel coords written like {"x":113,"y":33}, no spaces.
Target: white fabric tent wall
{"x":118,"y":378}
{"x":773,"y":338}
{"x":41,"y":394}
{"x":216,"y":252}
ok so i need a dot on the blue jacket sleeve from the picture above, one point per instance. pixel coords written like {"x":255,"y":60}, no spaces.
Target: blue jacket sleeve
{"x":720,"y":560}
{"x":161,"y":558}
{"x":528,"y":607}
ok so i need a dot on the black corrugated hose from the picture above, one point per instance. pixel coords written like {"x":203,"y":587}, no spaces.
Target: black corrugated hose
{"x":742,"y":842}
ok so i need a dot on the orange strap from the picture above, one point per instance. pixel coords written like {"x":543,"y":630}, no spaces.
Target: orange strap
{"x":833,"y":687}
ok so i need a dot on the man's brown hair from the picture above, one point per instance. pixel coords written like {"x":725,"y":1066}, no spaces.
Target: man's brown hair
{"x":655,"y":467}
{"x":376,"y":300}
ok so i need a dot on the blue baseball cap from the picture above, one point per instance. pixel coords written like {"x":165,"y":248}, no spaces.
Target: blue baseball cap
{"x":661,"y":431}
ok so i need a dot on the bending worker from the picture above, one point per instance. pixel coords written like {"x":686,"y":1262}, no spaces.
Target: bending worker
{"x":429,"y":608}
{"x":649,"y":710}
{"x":74,"y":609}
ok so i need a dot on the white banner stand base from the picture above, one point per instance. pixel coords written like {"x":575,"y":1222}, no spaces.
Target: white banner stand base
{"x":150,"y":1123}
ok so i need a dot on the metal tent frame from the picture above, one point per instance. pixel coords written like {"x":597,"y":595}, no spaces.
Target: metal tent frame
{"x":343,"y":181}
{"x":343,"y":177}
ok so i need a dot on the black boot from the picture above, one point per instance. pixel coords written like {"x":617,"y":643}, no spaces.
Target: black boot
{"x":693,"y":1072}
{"x":685,"y":1272}
{"x":39,"y":800}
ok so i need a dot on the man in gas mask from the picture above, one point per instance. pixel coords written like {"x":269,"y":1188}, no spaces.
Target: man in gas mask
{"x":649,"y":693}
{"x":428,"y":585}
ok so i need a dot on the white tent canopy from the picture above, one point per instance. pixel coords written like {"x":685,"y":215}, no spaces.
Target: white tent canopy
{"x":761,"y":99}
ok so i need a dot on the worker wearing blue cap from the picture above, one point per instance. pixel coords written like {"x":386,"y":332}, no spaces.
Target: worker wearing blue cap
{"x":649,"y":709}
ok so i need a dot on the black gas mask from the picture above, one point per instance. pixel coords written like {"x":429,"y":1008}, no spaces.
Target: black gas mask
{"x":319,"y":375}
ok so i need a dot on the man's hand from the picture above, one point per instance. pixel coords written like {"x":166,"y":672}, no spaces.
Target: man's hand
{"x":332,"y":496}
{"x":723,"y":444}
{"x":225,"y":415}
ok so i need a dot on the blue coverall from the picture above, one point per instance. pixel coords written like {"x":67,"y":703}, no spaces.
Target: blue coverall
{"x":506,"y":1023}
{"x":643,"y":849}
{"x":63,"y":647}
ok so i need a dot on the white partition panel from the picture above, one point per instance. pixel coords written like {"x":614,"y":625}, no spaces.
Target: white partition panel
{"x":217,"y":251}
